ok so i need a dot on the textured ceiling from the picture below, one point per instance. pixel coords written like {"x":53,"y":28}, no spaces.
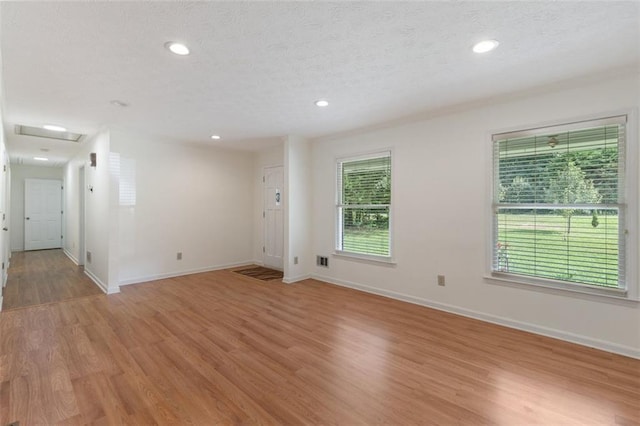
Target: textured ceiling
{"x":256,"y":68}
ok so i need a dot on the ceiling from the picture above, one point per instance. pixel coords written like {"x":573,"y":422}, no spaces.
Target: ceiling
{"x":256,"y":68}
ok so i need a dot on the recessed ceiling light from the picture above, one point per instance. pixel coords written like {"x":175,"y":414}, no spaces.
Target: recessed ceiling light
{"x":54,"y":128}
{"x":322,"y":103}
{"x":216,"y":137}
{"x":177,"y":48}
{"x":40,"y":158}
{"x":485,"y":46}
{"x":119,"y":103}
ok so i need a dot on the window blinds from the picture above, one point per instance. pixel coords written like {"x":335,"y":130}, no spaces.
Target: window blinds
{"x":363,"y":207}
{"x":558,"y":203}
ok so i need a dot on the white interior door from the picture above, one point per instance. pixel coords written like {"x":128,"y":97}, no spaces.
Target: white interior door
{"x":42,"y":214}
{"x":5,"y":185}
{"x":273,"y":217}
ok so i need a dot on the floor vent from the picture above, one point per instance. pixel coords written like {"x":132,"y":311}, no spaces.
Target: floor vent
{"x":322,"y":261}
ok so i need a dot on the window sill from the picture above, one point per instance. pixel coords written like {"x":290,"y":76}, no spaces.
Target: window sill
{"x":561,"y":286}
{"x":380,"y":260}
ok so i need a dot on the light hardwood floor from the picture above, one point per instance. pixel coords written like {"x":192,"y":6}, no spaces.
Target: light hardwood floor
{"x":220,"y":348}
{"x":44,"y":276}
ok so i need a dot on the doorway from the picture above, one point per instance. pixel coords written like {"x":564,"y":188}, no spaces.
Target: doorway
{"x":42,"y":214}
{"x":273,"y":217}
{"x":5,"y":186}
{"x":81,"y":193}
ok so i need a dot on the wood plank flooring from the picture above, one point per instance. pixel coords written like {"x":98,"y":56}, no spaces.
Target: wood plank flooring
{"x":44,"y":276}
{"x":221,"y":348}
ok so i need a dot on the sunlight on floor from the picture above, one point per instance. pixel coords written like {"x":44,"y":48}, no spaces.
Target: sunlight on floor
{"x":546,"y":402}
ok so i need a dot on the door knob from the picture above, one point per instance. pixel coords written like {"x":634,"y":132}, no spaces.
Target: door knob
{"x":5,"y":229}
{"x":27,"y":218}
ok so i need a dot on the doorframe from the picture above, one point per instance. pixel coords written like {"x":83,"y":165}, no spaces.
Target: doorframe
{"x":6,"y":221}
{"x":61,"y":186}
{"x":81,"y":216}
{"x":264,"y":210}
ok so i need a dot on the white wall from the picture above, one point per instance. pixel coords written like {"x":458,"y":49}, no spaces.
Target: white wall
{"x":298,"y":213}
{"x":441,"y":216}
{"x":191,"y":199}
{"x":273,"y":156}
{"x":98,"y":228}
{"x":18,"y":174}
{"x":5,"y":193}
{"x":71,"y":243}
{"x":5,"y":205}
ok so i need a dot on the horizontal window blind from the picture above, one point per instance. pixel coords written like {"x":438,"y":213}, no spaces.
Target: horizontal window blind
{"x":363,"y":207}
{"x":559,"y":205}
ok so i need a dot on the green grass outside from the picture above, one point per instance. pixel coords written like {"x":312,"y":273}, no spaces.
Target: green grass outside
{"x":588,"y":255}
{"x":356,"y":239}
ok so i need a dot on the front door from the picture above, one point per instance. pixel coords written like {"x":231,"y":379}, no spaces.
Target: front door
{"x":42,"y":214}
{"x":273,"y":217}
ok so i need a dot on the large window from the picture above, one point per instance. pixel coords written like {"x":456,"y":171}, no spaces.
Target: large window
{"x":558,"y":205}
{"x":364,"y":205}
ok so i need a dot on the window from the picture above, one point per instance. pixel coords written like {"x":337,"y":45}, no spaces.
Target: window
{"x":364,"y":206}
{"x":558,"y":204}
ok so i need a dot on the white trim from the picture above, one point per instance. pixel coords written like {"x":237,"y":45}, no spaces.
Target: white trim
{"x":5,"y":276}
{"x":156,"y":277}
{"x":91,"y":275}
{"x":368,"y":155}
{"x":1,"y":297}
{"x":100,"y":284}
{"x":558,"y":122}
{"x":630,"y":197}
{"x":337,"y":227}
{"x":285,"y":210}
{"x":71,"y":256}
{"x":631,"y":200}
{"x":560,"y":128}
{"x":494,"y":319}
{"x":540,"y":284}
{"x":290,"y":280}
{"x":44,"y":246}
{"x":367,"y":258}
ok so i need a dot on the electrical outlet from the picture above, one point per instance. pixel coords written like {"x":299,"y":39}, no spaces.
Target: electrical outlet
{"x":441,"y":280}
{"x":179,"y":255}
{"x":295,"y":260}
{"x":88,"y":257}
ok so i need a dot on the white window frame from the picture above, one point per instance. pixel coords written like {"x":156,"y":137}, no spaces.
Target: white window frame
{"x":388,"y":152}
{"x":629,"y":208}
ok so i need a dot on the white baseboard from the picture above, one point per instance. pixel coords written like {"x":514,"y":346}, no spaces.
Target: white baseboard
{"x":494,"y":319}
{"x":290,"y":280}
{"x":156,"y":277}
{"x":71,"y":256}
{"x":113,"y":290}
{"x":100,"y":284}
{"x":1,"y":298}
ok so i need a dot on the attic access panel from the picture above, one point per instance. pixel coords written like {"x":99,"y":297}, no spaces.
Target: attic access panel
{"x":44,"y":133}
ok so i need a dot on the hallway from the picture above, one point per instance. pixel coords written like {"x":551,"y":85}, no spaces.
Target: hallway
{"x":45,"y":276}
